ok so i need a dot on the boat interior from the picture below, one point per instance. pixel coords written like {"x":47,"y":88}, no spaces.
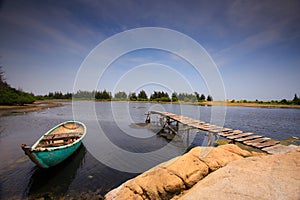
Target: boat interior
{"x":62,"y":135}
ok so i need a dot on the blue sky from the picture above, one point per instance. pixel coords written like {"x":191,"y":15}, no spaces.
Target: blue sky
{"x":255,"y":44}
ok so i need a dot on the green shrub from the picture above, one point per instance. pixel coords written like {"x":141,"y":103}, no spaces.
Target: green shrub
{"x":14,"y":97}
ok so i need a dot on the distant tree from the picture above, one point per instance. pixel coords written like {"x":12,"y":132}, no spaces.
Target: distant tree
{"x":174,"y":97}
{"x":50,"y":95}
{"x":142,"y":96}
{"x":160,"y":96}
{"x":81,"y":94}
{"x":197,"y":96}
{"x":296,"y":100}
{"x":58,"y":95}
{"x":120,"y":95}
{"x":283,"y":101}
{"x":132,"y":96}
{"x":3,"y":83}
{"x":68,"y":95}
{"x":202,"y":97}
{"x":209,"y":98}
{"x":103,"y":95}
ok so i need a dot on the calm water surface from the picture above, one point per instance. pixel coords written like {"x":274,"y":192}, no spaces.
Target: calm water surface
{"x":21,"y":179}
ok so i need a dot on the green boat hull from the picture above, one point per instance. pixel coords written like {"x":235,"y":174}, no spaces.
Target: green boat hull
{"x":48,"y":159}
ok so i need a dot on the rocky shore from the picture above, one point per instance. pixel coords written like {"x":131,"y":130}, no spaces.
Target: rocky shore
{"x":224,"y":172}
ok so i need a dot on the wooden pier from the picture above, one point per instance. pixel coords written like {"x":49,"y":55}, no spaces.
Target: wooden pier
{"x":257,"y":141}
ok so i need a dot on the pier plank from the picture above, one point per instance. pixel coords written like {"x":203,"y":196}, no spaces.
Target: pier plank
{"x":239,"y":136}
{"x":231,"y":133}
{"x":266,"y":144}
{"x":223,"y":134}
{"x":259,"y":140}
{"x":226,"y":129}
{"x":248,"y":138}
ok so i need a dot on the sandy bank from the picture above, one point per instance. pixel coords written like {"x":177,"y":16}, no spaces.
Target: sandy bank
{"x":38,"y":105}
{"x":239,"y":174}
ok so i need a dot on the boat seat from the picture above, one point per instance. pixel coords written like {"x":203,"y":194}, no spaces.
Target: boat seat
{"x":62,"y":136}
{"x":55,"y":144}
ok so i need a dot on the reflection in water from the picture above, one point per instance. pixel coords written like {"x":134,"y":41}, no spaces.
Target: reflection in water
{"x":56,"y":179}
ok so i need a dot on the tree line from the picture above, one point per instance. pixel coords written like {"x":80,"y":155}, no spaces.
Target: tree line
{"x":159,"y":96}
{"x":294,"y":101}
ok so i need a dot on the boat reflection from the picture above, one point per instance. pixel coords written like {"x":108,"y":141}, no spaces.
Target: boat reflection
{"x":56,"y":180}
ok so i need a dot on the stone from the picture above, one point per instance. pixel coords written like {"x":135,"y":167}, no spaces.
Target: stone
{"x":265,"y":177}
{"x":181,"y":173}
{"x":189,"y":168}
{"x":216,"y":158}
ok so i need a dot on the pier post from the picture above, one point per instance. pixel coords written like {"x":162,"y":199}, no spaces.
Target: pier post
{"x":148,"y":120}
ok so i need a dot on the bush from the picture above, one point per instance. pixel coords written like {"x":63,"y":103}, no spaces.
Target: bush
{"x":14,"y":97}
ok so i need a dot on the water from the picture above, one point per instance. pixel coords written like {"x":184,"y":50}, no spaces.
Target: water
{"x":21,"y":179}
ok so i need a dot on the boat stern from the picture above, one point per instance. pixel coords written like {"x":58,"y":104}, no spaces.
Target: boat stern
{"x":28,"y":151}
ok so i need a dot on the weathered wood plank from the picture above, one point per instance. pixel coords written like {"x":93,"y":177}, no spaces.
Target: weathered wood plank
{"x":226,"y":129}
{"x":214,"y":130}
{"x":248,"y":138}
{"x":265,"y":144}
{"x":225,"y":133}
{"x":239,"y":136}
{"x":259,"y":140}
{"x":231,"y":133}
{"x":61,"y":136}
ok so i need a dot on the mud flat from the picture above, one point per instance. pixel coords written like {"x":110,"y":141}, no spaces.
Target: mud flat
{"x":38,"y":105}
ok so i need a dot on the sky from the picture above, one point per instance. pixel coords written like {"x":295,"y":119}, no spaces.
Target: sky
{"x":255,"y":45}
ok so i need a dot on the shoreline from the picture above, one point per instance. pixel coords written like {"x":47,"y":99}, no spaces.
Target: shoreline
{"x":210,"y":103}
{"x":45,"y":104}
{"x":254,"y":105}
{"x":36,"y":106}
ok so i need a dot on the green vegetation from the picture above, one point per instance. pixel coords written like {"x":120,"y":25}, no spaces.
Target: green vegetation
{"x":160,"y":96}
{"x":12,"y":96}
{"x":174,"y":97}
{"x":295,"y":101}
{"x":209,"y":98}
{"x":132,"y":96}
{"x":157,"y":96}
{"x":120,"y":96}
{"x":142,"y":96}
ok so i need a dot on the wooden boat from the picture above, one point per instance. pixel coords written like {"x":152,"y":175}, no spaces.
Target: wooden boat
{"x":57,"y":144}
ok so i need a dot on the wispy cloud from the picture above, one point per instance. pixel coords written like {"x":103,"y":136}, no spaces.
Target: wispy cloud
{"x":39,"y":31}
{"x":260,"y":25}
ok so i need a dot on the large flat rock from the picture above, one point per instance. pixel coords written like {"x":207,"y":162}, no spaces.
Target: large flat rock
{"x":171,"y":178}
{"x":267,"y":177}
